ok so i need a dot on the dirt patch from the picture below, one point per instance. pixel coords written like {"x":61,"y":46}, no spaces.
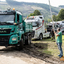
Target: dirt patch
{"x":11,"y":55}
{"x":29,"y":55}
{"x":47,"y":58}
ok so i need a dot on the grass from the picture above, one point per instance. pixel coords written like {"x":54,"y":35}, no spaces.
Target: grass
{"x":48,"y":46}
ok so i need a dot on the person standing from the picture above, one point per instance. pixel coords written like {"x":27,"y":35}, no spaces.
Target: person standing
{"x":59,"y":41}
{"x":52,"y":34}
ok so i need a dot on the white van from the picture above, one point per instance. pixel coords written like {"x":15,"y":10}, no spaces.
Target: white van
{"x":38,"y":26}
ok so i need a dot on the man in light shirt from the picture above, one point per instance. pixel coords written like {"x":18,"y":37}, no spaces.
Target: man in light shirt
{"x":59,"y":42}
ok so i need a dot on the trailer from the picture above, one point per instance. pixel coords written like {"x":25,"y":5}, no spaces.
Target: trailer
{"x":14,"y":31}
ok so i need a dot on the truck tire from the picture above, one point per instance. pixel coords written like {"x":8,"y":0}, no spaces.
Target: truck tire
{"x":28,"y":40}
{"x":19,"y":46}
{"x":40,"y":37}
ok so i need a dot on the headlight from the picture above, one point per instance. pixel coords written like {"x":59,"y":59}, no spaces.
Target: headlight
{"x":14,"y":38}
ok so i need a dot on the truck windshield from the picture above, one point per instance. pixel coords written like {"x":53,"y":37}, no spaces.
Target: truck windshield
{"x":34,"y":24}
{"x":51,"y":26}
{"x":6,"y":19}
{"x":30,"y":18}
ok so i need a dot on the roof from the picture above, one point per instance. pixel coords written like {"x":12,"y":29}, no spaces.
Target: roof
{"x":9,"y":11}
{"x":18,"y":12}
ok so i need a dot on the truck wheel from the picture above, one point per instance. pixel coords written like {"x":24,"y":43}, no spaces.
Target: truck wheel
{"x":28,"y":41}
{"x":40,"y":37}
{"x":19,"y":46}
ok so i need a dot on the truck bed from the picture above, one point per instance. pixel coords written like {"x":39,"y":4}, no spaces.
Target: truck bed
{"x":27,"y":27}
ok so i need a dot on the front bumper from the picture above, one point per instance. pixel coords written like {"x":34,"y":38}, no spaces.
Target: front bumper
{"x":4,"y":40}
{"x":8,"y":40}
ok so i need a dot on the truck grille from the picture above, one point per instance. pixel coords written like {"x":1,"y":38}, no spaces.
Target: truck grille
{"x":5,"y":31}
{"x":4,"y":40}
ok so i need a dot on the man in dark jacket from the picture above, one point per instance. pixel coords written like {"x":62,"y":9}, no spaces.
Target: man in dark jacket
{"x":52,"y":34}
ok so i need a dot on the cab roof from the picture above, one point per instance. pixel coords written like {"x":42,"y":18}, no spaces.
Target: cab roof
{"x":10,"y":12}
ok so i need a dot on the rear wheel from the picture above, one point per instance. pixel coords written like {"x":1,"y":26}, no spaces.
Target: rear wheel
{"x":28,"y":40}
{"x":40,"y":37}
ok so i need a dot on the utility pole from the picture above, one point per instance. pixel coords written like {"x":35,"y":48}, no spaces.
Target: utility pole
{"x":51,"y":13}
{"x":50,"y":10}
{"x":51,"y":16}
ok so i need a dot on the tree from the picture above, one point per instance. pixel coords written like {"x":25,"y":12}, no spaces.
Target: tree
{"x":61,"y":14}
{"x":36,"y":12}
{"x":31,"y":14}
{"x":49,"y":20}
{"x":54,"y":17}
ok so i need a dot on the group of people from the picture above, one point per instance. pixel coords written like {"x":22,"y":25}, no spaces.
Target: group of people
{"x":58,"y":40}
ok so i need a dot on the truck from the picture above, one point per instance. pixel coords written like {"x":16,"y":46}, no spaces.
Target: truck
{"x":38,"y":26}
{"x":50,"y":26}
{"x":61,"y":26}
{"x":58,"y":24}
{"x":14,"y":31}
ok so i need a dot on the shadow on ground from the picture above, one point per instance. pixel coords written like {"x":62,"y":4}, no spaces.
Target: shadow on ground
{"x":44,"y":39}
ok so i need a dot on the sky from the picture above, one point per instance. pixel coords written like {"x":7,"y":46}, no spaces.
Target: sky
{"x":55,"y":3}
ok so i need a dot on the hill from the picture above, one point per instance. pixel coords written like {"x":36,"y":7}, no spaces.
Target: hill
{"x":61,"y":6}
{"x":27,"y":8}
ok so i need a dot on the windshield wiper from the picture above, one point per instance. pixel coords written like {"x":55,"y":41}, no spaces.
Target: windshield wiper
{"x":9,"y":23}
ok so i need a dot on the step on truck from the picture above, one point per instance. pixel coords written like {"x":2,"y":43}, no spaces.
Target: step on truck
{"x":38,"y":26}
{"x":13,"y":30}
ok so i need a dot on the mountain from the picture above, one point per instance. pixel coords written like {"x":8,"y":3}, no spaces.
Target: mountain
{"x":61,"y":6}
{"x":27,"y":8}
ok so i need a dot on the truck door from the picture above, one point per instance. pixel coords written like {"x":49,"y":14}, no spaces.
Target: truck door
{"x":20,"y":26}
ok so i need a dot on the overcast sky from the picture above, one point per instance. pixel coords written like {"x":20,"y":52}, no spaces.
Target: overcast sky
{"x":53,"y":2}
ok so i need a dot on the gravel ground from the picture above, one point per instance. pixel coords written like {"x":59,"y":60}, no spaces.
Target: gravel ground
{"x":29,"y":55}
{"x":12,"y":56}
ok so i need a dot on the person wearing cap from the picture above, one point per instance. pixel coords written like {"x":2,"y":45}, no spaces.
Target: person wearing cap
{"x":59,"y":41}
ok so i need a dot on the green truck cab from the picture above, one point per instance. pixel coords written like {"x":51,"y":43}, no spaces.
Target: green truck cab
{"x":13,"y":29}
